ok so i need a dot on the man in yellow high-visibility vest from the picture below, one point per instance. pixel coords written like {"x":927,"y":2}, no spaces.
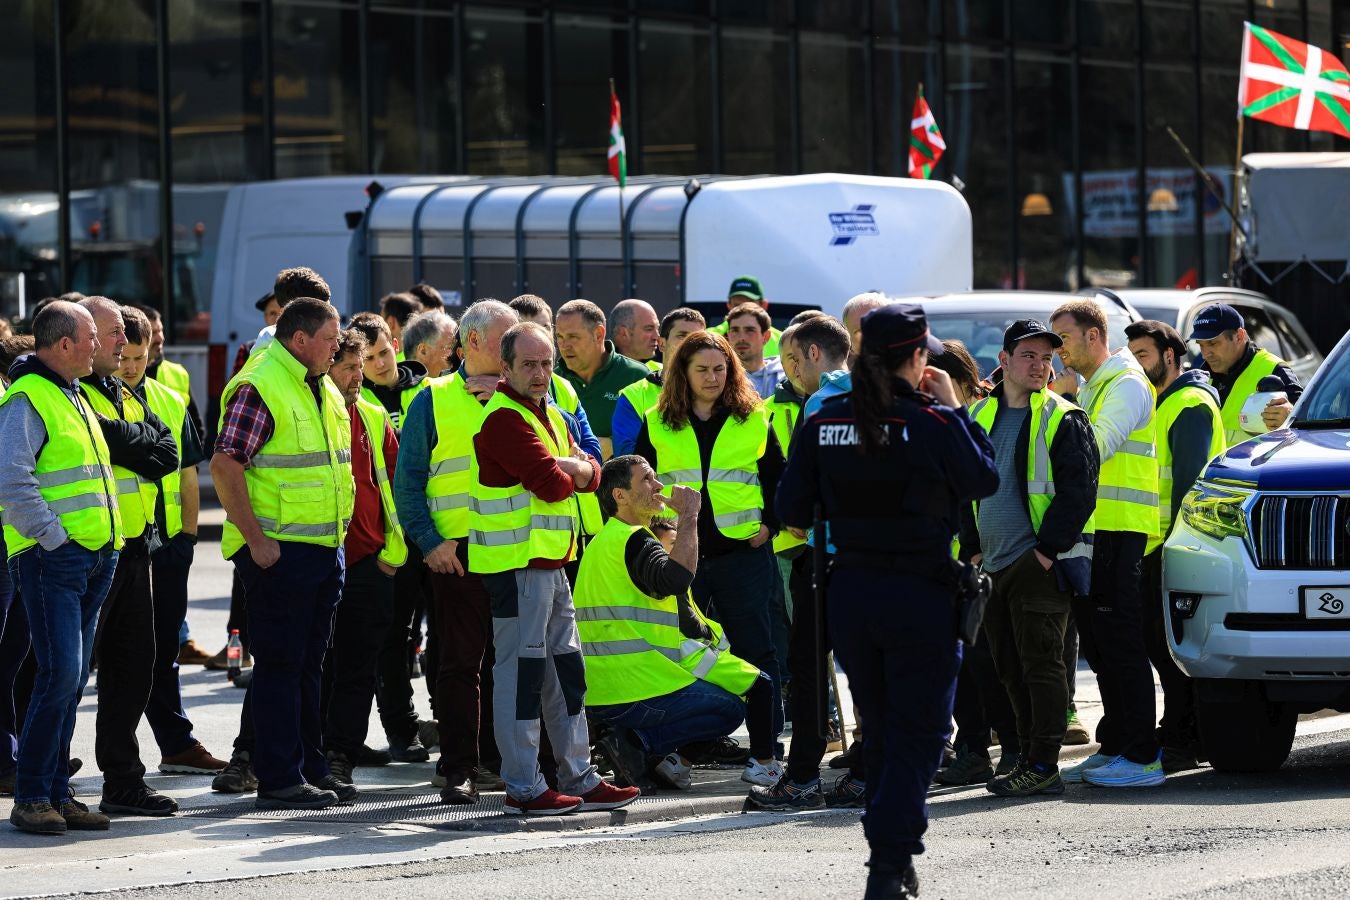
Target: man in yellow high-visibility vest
{"x":1237,"y":365}
{"x":62,"y":535}
{"x":1119,"y":402}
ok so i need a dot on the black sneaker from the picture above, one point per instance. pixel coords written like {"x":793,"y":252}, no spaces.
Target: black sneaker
{"x":297,"y":796}
{"x":849,"y":758}
{"x":847,"y":792}
{"x":970,"y":768}
{"x":340,"y":767}
{"x":238,"y":777}
{"x":369,"y":756}
{"x":1178,"y":759}
{"x":429,"y":732}
{"x":1007,"y":763}
{"x":786,"y":794}
{"x":408,"y":750}
{"x":136,"y":800}
{"x":628,"y":760}
{"x":890,"y":882}
{"x":1027,"y":781}
{"x":345,"y":790}
{"x":721,"y":753}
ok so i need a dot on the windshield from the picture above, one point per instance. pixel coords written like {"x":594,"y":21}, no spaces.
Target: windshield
{"x":982,"y":331}
{"x":1328,"y":397}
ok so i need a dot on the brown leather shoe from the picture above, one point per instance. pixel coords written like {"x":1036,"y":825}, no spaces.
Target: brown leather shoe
{"x":190,"y":653}
{"x":37,"y":818}
{"x":80,"y":818}
{"x":192,"y":761}
{"x":459,"y":789}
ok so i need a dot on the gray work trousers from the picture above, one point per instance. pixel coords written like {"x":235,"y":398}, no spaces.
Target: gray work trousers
{"x":539,"y":673}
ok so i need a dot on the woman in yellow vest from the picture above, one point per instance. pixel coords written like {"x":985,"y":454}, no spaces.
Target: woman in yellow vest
{"x":710,"y":432}
{"x":648,"y":649}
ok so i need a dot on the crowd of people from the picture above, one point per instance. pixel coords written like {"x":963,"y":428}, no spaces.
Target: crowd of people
{"x":611,"y":555}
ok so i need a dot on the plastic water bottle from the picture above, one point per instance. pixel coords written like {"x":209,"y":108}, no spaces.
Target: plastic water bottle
{"x":234,"y":655}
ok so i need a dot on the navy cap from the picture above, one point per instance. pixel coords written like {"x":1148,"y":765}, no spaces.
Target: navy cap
{"x":898,"y":326}
{"x":1028,"y":328}
{"x":1214,"y":320}
{"x":262,"y":301}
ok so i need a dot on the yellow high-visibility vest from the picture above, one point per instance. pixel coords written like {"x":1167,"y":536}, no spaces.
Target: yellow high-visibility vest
{"x":733,"y":470}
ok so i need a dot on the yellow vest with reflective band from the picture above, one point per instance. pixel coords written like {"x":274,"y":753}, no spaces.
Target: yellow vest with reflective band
{"x":509,"y":526}
{"x":588,"y":505}
{"x":299,"y":482}
{"x":170,"y":407}
{"x":175,"y":378}
{"x":373,"y":420}
{"x":458,"y":416}
{"x":733,"y":471}
{"x":1127,"y":483}
{"x":1262,"y":364}
{"x":135,"y":495}
{"x":1047,"y":412}
{"x":632,"y":642}
{"x":73,"y":470}
{"x":1182,"y":399}
{"x":783,"y":419}
{"x":405,"y":399}
{"x":643,"y":395}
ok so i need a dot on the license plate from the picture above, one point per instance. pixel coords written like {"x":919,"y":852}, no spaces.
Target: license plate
{"x":1326,"y":603}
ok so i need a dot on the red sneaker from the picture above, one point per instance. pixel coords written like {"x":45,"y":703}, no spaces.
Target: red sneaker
{"x":549,"y":803}
{"x":607,"y":796}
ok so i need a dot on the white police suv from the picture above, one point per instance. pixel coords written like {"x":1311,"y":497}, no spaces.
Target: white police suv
{"x":1257,"y":580}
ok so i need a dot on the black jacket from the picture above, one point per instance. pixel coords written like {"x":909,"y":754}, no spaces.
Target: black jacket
{"x":1074,"y":462}
{"x":901,"y":506}
{"x":147,"y":447}
{"x":411,"y":373}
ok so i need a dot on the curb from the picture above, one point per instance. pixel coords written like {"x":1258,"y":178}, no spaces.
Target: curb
{"x":666,"y":810}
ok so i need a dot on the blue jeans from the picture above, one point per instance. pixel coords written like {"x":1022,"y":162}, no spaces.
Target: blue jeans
{"x":699,"y":712}
{"x":13,"y":649}
{"x":62,"y":591}
{"x":742,"y":591}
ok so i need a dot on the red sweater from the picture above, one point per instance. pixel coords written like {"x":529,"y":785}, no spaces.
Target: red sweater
{"x":365,"y":536}
{"x":510,"y":453}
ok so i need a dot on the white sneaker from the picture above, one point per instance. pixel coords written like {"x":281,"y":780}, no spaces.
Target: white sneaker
{"x":764,"y":775}
{"x":1120,"y":772}
{"x":672,"y":772}
{"x":1074,"y":774}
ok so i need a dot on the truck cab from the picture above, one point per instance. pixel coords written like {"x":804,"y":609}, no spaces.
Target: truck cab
{"x":1256,"y":579}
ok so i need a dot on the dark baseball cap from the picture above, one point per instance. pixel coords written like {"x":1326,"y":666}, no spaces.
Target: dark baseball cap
{"x":747,"y":286}
{"x":898,"y":326}
{"x":265,"y":299}
{"x":1028,"y":328}
{"x":1214,"y":320}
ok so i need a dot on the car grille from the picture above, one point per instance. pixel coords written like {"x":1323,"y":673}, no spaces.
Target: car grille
{"x":1301,"y":532}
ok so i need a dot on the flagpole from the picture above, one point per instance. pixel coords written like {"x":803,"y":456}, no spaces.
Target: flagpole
{"x":1237,"y":195}
{"x":623,"y":243}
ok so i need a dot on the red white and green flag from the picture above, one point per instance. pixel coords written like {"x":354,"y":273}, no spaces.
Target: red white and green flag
{"x":925,"y":141}
{"x":1293,"y":84}
{"x":618,"y":152}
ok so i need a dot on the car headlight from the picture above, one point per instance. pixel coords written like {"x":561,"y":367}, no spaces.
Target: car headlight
{"x":1215,"y":511}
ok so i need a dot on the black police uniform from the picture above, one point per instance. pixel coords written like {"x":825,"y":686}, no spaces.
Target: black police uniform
{"x":891,"y":601}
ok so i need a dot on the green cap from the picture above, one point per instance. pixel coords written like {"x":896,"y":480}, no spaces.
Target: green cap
{"x":746,"y":286}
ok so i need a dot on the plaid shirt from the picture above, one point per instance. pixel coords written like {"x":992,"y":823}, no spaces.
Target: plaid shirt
{"x":247,"y":425}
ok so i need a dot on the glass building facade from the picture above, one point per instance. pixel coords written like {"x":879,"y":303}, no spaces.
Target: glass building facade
{"x":123,"y":121}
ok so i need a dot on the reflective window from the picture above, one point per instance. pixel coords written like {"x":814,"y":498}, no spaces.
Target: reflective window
{"x":1044,"y":142}
{"x":834,"y":15}
{"x":587,"y":52}
{"x":896,"y":75}
{"x":1221,"y":30}
{"x":317,"y":90}
{"x":503,"y":93}
{"x":1171,"y":188}
{"x":911,"y":22}
{"x":1107,"y":27}
{"x":1169,"y":29}
{"x":756,"y":125}
{"x":412,"y":93}
{"x":975,"y":128}
{"x":1110,"y":203}
{"x":1043,"y":22}
{"x":977,"y":19}
{"x":834,"y":122}
{"x":1218,"y":141}
{"x":676,"y":132}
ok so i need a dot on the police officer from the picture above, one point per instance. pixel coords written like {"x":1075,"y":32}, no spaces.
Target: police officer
{"x":889,"y":465}
{"x":1236,"y":366}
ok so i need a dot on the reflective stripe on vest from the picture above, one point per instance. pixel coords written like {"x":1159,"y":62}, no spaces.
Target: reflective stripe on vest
{"x":458,"y":415}
{"x":1047,"y":412}
{"x":509,"y":526}
{"x":632,"y":642}
{"x":733,"y":470}
{"x":373,"y":421}
{"x":1186,"y":397}
{"x":73,"y":470}
{"x":135,"y":498}
{"x":1127,"y":482}
{"x":1263,"y":363}
{"x":169,"y":406}
{"x":300,"y":482}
